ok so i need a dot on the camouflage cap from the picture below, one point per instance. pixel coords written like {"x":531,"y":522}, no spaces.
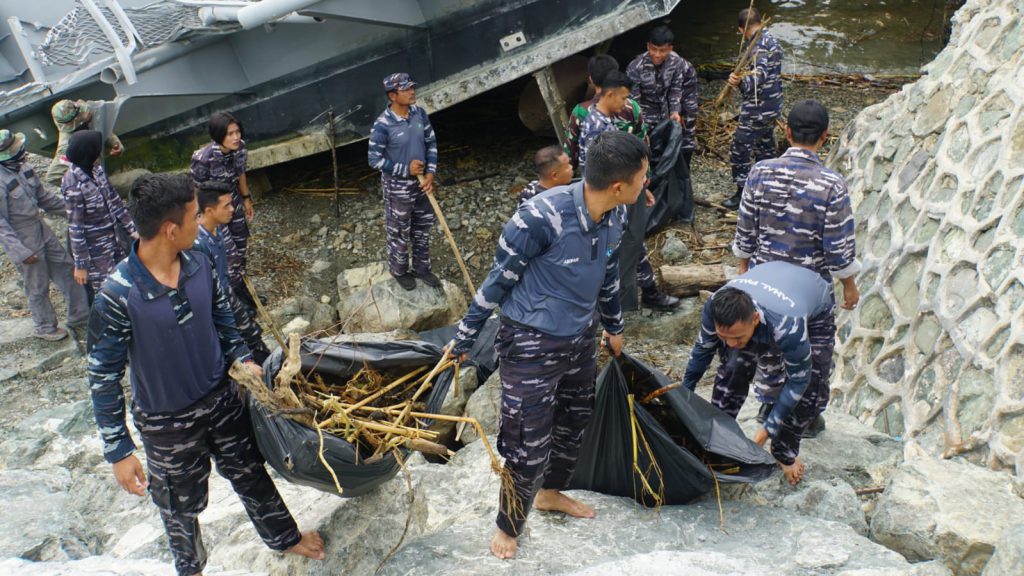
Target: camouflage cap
{"x":65,"y":111}
{"x":11,"y":143}
{"x":398,"y":81}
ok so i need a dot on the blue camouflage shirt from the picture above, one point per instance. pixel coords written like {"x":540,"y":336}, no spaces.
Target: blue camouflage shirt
{"x":178,"y":341}
{"x":786,"y":296}
{"x":796,"y":210}
{"x":211,"y":163}
{"x":530,"y":190}
{"x":762,"y":88}
{"x":662,"y":90}
{"x":397,"y":141}
{"x":94,"y":209}
{"x":552,"y":267}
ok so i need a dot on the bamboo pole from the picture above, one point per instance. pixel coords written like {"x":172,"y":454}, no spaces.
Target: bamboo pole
{"x":443,"y":364}
{"x":451,"y":239}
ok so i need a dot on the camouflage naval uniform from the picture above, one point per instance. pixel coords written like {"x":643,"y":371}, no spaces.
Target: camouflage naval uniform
{"x":69,"y":118}
{"x":217,"y":248}
{"x":546,"y":341}
{"x":762,"y":104}
{"x":408,"y":215}
{"x":211,"y":163}
{"x":24,"y":234}
{"x":529,"y":191}
{"x":662,"y":90}
{"x":593,"y":124}
{"x":796,"y":306}
{"x":94,"y":210}
{"x":795,"y":210}
{"x":183,"y":405}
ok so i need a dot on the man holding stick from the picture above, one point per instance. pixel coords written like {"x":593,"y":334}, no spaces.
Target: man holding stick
{"x":761,"y":88}
{"x":556,"y":262}
{"x":404,"y":148}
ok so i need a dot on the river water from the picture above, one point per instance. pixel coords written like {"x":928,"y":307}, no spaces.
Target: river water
{"x":818,"y":36}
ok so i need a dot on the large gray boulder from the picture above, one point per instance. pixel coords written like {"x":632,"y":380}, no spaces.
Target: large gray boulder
{"x":21,"y":355}
{"x":485,"y":406}
{"x":947,"y":510}
{"x":1009,"y":554}
{"x":832,"y":500}
{"x":370,"y":300}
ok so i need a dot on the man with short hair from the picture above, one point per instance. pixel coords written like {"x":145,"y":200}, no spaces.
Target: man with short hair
{"x":665,"y":86}
{"x":556,"y":262}
{"x":70,"y":116}
{"x":602,"y":116}
{"x":404,"y":148}
{"x":597,"y":67}
{"x":761,"y":89}
{"x":553,"y":168}
{"x":32,"y":246}
{"x":164,"y":312}
{"x":778,"y":307}
{"x":795,"y":210}
{"x":216,"y":211}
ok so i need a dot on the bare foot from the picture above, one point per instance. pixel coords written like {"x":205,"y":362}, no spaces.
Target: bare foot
{"x":503,"y":546}
{"x":311,"y":546}
{"x":555,"y":501}
{"x":794,"y":472}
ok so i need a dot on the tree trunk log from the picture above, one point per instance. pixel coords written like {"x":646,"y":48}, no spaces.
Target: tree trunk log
{"x":690,"y":279}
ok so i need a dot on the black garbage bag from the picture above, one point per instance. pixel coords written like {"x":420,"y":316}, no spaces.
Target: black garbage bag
{"x":293,"y":449}
{"x":481,"y":356}
{"x":670,"y":177}
{"x":688,"y":437}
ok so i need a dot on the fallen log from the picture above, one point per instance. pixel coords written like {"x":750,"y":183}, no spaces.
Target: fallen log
{"x":690,"y":279}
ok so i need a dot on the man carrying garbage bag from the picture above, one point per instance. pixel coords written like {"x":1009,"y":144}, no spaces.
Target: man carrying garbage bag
{"x":556,"y":263}
{"x":777,"y":307}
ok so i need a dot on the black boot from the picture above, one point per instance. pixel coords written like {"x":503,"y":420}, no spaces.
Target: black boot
{"x":734,"y":202}
{"x":763,"y":413}
{"x":429,"y":279}
{"x":658,"y":300}
{"x":406,"y":281}
{"x":814,"y":428}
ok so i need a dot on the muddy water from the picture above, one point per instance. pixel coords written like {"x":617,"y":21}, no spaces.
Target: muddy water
{"x":818,"y":36}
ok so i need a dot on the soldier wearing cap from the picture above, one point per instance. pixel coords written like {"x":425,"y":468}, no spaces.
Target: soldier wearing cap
{"x":665,"y":86}
{"x":404,"y":148}
{"x":71,"y":116}
{"x":795,"y":210}
{"x":780,"y":308}
{"x":761,"y":88}
{"x":31,"y":245}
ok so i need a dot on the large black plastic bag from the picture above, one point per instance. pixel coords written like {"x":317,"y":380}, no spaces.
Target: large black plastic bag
{"x":482,"y":355}
{"x":293,"y":449}
{"x":605,"y":462}
{"x":670,"y":178}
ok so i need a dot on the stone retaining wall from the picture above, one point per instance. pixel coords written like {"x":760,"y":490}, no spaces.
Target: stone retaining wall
{"x":935,"y":351}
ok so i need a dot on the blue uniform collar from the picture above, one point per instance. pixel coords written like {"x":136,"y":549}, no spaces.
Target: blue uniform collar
{"x":147,"y":284}
{"x":794,"y":152}
{"x":582,"y":214}
{"x":395,"y":117}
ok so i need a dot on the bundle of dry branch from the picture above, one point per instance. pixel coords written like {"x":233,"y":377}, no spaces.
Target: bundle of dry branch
{"x":376,"y":412}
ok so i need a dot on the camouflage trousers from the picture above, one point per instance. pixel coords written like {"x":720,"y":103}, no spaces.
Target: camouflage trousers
{"x":737,"y":368}
{"x":547,"y":397}
{"x":178,"y":450}
{"x":644,"y":271}
{"x":750,"y":139}
{"x":239,"y":230}
{"x":408,"y":218}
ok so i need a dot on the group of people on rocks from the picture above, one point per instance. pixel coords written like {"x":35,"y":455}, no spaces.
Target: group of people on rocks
{"x":571,"y":257}
{"x":164,"y":278}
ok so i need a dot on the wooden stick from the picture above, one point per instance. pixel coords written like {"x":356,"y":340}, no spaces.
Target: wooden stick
{"x":443,"y":364}
{"x":451,"y":239}
{"x":444,"y":417}
{"x":384,"y":390}
{"x":264,"y":315}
